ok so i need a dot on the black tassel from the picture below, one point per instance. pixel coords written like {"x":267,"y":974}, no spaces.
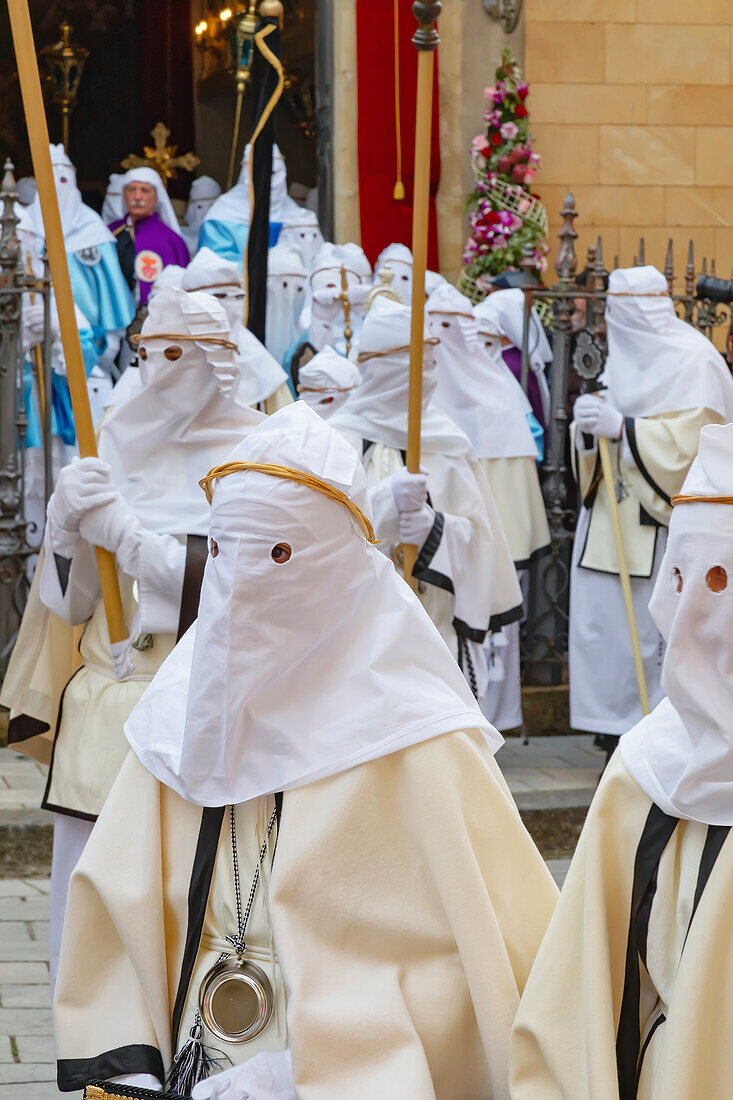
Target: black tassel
{"x":192,"y":1064}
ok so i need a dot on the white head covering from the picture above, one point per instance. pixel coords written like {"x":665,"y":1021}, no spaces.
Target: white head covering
{"x":232,"y":714}
{"x":286,"y":281}
{"x":233,"y":205}
{"x":172,"y":275}
{"x":261,"y":374}
{"x":326,"y":380}
{"x":27,"y":190}
{"x":503,"y":313}
{"x":113,"y":207}
{"x":377,"y":409}
{"x":656,"y":362}
{"x":82,"y":226}
{"x":303,"y":233}
{"x":681,"y":755}
{"x":204,"y":191}
{"x":399,"y":258}
{"x":475,"y":388}
{"x":179,"y":423}
{"x":433,"y":279}
{"x":163,"y":206}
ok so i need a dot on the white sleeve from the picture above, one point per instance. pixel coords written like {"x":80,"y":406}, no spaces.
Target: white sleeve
{"x":384,"y":511}
{"x":157,"y":563}
{"x":69,"y":586}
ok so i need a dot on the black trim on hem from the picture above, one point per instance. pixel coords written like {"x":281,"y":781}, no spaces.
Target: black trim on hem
{"x":198,"y":897}
{"x":629,"y":424}
{"x":472,"y":633}
{"x":23,"y":726}
{"x":429,"y":548}
{"x":536,"y":555}
{"x":66,"y":812}
{"x":506,"y":618}
{"x":75,"y":1073}
{"x":44,"y":801}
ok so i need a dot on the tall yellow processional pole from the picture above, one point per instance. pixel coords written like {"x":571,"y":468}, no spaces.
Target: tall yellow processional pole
{"x":426,"y":40}
{"x":35,"y":116}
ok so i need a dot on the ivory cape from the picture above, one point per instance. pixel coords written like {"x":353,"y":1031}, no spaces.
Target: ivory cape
{"x":401,"y":974}
{"x":67,"y":707}
{"x":516,"y":489}
{"x":650,"y":465}
{"x":582,"y":1015}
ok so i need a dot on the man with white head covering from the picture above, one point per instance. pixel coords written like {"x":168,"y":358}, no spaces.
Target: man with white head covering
{"x":326,"y":380}
{"x":260,"y":381}
{"x":113,"y":206}
{"x":139,"y":501}
{"x":386,"y":943}
{"x":480,"y":394}
{"x":202,"y":196}
{"x":467,"y":581}
{"x":286,"y":291}
{"x":664,"y":381}
{"x":148,"y":234}
{"x":226,"y":224}
{"x":399,"y":258}
{"x":502,"y":313}
{"x":325,"y":316}
{"x":97,"y":282}
{"x":633,"y":984}
{"x":303,"y":233}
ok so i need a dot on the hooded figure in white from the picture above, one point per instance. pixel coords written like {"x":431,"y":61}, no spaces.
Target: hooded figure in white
{"x":27,"y":189}
{"x":664,"y":381}
{"x":260,"y":380}
{"x":324,"y":316}
{"x":399,"y":258}
{"x":503,"y":313}
{"x":286,"y":291}
{"x":636,"y":963}
{"x":468,"y":583}
{"x":303,"y":233}
{"x":140,"y":501}
{"x":226,"y":224}
{"x":326,"y":380}
{"x":315,"y":699}
{"x":113,"y":206}
{"x":477,"y":390}
{"x":202,"y":196}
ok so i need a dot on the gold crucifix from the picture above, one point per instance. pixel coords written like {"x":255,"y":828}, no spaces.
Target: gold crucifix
{"x":344,"y":299}
{"x":161,"y":156}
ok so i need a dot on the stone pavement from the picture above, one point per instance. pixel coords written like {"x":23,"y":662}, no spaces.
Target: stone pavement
{"x":543,"y":773}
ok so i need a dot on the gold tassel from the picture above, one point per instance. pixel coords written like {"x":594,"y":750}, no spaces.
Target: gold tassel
{"x":399,"y":191}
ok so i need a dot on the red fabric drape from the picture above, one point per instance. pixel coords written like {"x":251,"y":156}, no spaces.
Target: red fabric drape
{"x":383,"y":219}
{"x":166,"y":76}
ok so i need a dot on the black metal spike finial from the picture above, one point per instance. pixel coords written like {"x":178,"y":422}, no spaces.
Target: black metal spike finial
{"x":642,"y":252}
{"x":426,"y":36}
{"x":566,"y":261}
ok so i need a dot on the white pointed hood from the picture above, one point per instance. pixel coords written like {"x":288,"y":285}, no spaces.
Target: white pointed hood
{"x":656,"y":362}
{"x":475,"y":388}
{"x":286,"y":283}
{"x":326,"y":381}
{"x":82,"y":227}
{"x":233,"y":713}
{"x":233,"y":205}
{"x":681,"y":754}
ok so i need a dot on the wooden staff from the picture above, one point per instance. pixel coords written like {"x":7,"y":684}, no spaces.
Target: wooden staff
{"x":426,"y":40}
{"x":30,"y":86}
{"x":623,"y":570}
{"x":37,"y":358}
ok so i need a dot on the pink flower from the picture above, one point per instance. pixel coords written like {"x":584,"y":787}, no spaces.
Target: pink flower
{"x":495,"y":118}
{"x":480,"y":145}
{"x":524,"y":204}
{"x":522,"y":90}
{"x":499,"y":241}
{"x":529,"y":175}
{"x":509,"y":130}
{"x":489,"y":94}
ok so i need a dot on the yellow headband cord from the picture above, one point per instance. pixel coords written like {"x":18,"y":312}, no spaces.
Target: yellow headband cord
{"x":288,"y":473}
{"x":682,"y":498}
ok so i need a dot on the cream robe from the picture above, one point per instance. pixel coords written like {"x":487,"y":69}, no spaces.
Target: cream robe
{"x":564,"y":1037}
{"x":516,"y":488}
{"x":278,"y":400}
{"x":406,"y":903}
{"x":659,"y":454}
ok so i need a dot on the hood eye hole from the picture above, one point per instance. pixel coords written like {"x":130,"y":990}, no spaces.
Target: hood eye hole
{"x":173,"y":352}
{"x":716,"y":579}
{"x":281,"y":553}
{"x":445,"y":324}
{"x":676,"y":579}
{"x":141,"y":353}
{"x":214,"y":548}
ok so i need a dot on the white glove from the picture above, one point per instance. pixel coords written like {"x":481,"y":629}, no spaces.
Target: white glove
{"x":327,"y":296}
{"x":416,"y":526}
{"x":82,"y":485}
{"x":110,"y":524}
{"x":410,"y":491}
{"x":33,"y":326}
{"x":264,"y":1077}
{"x":357,"y":294}
{"x":596,"y":416}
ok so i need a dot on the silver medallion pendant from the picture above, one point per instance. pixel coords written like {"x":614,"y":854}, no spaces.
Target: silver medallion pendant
{"x":236,"y":1000}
